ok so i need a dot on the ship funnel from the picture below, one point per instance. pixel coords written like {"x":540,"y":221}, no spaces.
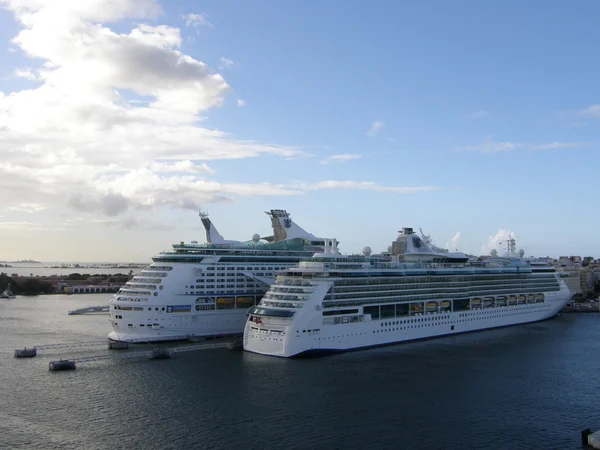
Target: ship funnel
{"x":408,"y":242}
{"x":212,"y":235}
{"x":284,"y":228}
{"x":331,"y":246}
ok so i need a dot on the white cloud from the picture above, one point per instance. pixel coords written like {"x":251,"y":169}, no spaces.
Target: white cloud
{"x":340,"y":158}
{"x":363,"y":185}
{"x":481,"y":114}
{"x":225,"y":63}
{"x":114,"y":125}
{"x":592,"y":111}
{"x":28,"y":207}
{"x":186,"y":166}
{"x":454,"y":243}
{"x":491,"y":146}
{"x":497,"y":242}
{"x":129,"y":223}
{"x":375,"y":129}
{"x":196,"y":20}
{"x":26,"y":73}
{"x":559,"y":145}
{"x":108,"y":104}
{"x":241,"y":102}
{"x":18,"y":225}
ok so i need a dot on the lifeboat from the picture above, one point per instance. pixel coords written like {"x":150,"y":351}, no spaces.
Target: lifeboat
{"x":530,"y":298}
{"x":539,"y":298}
{"x":488,"y":302}
{"x":431,"y":306}
{"x":416,"y":307}
{"x":225,"y":300}
{"x":445,"y":304}
{"x":476,"y":301}
{"x":244,"y":301}
{"x":501,"y":300}
{"x":512,"y":300}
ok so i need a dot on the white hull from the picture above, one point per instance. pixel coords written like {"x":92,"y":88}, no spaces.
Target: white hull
{"x":199,"y":290}
{"x":183,"y":326}
{"x":284,"y":338}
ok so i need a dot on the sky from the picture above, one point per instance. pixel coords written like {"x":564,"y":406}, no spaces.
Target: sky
{"x":472,"y":120}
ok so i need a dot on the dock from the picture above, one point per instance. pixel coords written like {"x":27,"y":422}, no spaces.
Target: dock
{"x":230,"y":343}
{"x":90,"y":310}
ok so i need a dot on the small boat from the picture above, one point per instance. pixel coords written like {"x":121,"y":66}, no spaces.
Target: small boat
{"x":160,"y":354}
{"x":26,"y":352}
{"x":7,"y":293}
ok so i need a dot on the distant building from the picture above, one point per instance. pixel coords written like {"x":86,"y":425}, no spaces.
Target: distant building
{"x":579,"y":280}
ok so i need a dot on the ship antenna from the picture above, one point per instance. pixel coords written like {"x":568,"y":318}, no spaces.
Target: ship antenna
{"x":510,"y":245}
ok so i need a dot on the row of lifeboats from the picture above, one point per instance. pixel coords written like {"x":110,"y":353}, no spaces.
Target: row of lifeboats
{"x":241,"y":301}
{"x":478,"y":302}
{"x":503,"y":300}
{"x":431,"y":306}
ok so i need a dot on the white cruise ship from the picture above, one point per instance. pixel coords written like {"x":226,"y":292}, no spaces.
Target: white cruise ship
{"x":206,"y":289}
{"x":333,"y":302}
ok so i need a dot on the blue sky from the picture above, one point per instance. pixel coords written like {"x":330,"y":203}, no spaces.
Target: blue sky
{"x":484,"y":111}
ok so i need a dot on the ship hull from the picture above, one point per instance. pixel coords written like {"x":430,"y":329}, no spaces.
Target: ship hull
{"x":314,"y":338}
{"x":171,"y":327}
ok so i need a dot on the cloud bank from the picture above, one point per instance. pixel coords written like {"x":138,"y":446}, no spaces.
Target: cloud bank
{"x":112,"y":120}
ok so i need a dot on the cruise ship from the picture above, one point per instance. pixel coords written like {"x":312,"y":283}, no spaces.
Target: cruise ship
{"x":197,"y":290}
{"x":332,"y":302}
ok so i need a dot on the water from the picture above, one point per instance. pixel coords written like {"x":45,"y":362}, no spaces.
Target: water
{"x":25,"y":270}
{"x":527,"y":387}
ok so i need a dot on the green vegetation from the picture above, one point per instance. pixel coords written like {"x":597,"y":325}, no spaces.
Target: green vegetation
{"x":41,"y":285}
{"x":5,"y":280}
{"x":34,"y":286}
{"x":29,"y":286}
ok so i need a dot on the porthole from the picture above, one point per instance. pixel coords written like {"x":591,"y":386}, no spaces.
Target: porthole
{"x":155,"y":294}
{"x":161,"y":287}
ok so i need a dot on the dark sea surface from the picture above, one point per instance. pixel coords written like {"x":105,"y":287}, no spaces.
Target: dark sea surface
{"x":527,"y":387}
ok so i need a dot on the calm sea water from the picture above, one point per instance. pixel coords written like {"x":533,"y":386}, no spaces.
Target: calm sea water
{"x":526,"y":387}
{"x":25,"y":270}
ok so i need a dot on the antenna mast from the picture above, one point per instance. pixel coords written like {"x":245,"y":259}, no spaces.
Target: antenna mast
{"x":510,"y":245}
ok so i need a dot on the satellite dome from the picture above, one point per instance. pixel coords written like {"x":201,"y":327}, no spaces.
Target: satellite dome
{"x":366,"y":251}
{"x":494,"y":253}
{"x":521,"y":253}
{"x":256,"y":237}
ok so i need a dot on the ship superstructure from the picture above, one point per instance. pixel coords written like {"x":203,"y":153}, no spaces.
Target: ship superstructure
{"x":206,"y":289}
{"x":333,"y":302}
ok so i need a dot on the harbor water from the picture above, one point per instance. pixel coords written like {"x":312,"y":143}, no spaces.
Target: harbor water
{"x":525,"y":387}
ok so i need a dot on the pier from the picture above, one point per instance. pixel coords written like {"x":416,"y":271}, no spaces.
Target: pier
{"x":90,"y":310}
{"x":230,"y":343}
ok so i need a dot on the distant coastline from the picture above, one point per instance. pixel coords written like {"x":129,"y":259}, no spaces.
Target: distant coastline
{"x":22,"y":261}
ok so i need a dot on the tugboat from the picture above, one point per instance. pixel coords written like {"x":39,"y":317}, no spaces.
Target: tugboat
{"x":7,"y":293}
